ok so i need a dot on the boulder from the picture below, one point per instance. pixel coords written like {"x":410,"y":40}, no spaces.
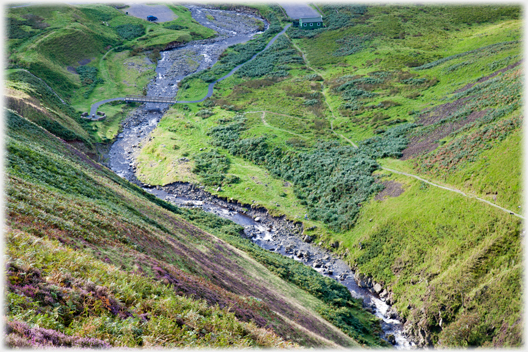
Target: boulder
{"x":308,"y":239}
{"x":391,"y":339}
{"x":377,"y":288}
{"x":318,"y":263}
{"x":368,"y":280}
{"x":392,"y":313}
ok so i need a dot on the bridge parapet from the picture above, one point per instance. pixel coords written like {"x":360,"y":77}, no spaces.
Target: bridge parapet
{"x":145,"y":99}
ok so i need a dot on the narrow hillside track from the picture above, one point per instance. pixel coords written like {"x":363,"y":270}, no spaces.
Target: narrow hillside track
{"x":444,"y":187}
{"x":454,"y":190}
{"x":323,"y":91}
{"x":263,"y":118}
{"x":345,"y":138}
{"x":40,"y":79}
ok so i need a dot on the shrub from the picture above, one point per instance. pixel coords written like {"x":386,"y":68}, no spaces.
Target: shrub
{"x":351,"y":45}
{"x":213,"y":167}
{"x":414,"y":81}
{"x":332,"y":179}
{"x":204,"y":113}
{"x":89,"y":78}
{"x":176,"y":27}
{"x":130,"y":31}
{"x":16,"y":29}
{"x":269,"y":62}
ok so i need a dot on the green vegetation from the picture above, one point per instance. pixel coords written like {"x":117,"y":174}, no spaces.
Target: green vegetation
{"x":213,"y":166}
{"x":446,"y":258}
{"x":77,"y":294}
{"x":305,"y":128}
{"x":130,"y":31}
{"x":52,"y":45}
{"x":118,"y":225}
{"x":413,"y":82}
{"x":273,"y":61}
{"x":340,"y":308}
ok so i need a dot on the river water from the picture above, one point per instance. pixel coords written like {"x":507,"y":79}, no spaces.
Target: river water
{"x":274,"y":234}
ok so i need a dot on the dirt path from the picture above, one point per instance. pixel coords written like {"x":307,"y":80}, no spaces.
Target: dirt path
{"x":399,"y":172}
{"x":323,"y":91}
{"x":453,"y":190}
{"x":103,"y":70}
{"x":443,"y":187}
{"x":263,"y":118}
{"x":40,"y":79}
{"x":345,"y":138}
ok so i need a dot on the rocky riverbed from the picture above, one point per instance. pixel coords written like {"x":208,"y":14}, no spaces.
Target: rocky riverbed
{"x":286,"y":237}
{"x":272,"y":233}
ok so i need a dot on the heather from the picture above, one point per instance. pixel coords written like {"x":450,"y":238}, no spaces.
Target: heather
{"x":335,"y":128}
{"x":430,"y":91}
{"x":93,"y":212}
{"x":82,"y":296}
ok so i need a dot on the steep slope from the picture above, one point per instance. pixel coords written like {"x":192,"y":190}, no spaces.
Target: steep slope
{"x":46,"y":40}
{"x":91,"y":222}
{"x":305,"y":130}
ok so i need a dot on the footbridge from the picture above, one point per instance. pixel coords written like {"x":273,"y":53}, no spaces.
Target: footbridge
{"x":145,"y":99}
{"x":164,"y":100}
{"x":132,"y":98}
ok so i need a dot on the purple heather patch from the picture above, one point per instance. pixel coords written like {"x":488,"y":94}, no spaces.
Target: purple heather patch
{"x":20,"y":334}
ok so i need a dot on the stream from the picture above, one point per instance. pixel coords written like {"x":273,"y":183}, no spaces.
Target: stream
{"x":271,"y":233}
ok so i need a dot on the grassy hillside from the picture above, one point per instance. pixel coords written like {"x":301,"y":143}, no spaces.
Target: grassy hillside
{"x":98,"y":232}
{"x":46,"y":41}
{"x":432,"y":91}
{"x":115,"y":59}
{"x":307,"y":130}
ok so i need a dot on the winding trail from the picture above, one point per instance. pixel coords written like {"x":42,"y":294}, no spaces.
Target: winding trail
{"x":400,"y":172}
{"x":263,"y":118}
{"x":40,"y":79}
{"x":454,"y":190}
{"x":210,"y":89}
{"x":444,"y":187}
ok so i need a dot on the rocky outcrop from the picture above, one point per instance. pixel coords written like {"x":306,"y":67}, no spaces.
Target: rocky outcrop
{"x":174,"y":45}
